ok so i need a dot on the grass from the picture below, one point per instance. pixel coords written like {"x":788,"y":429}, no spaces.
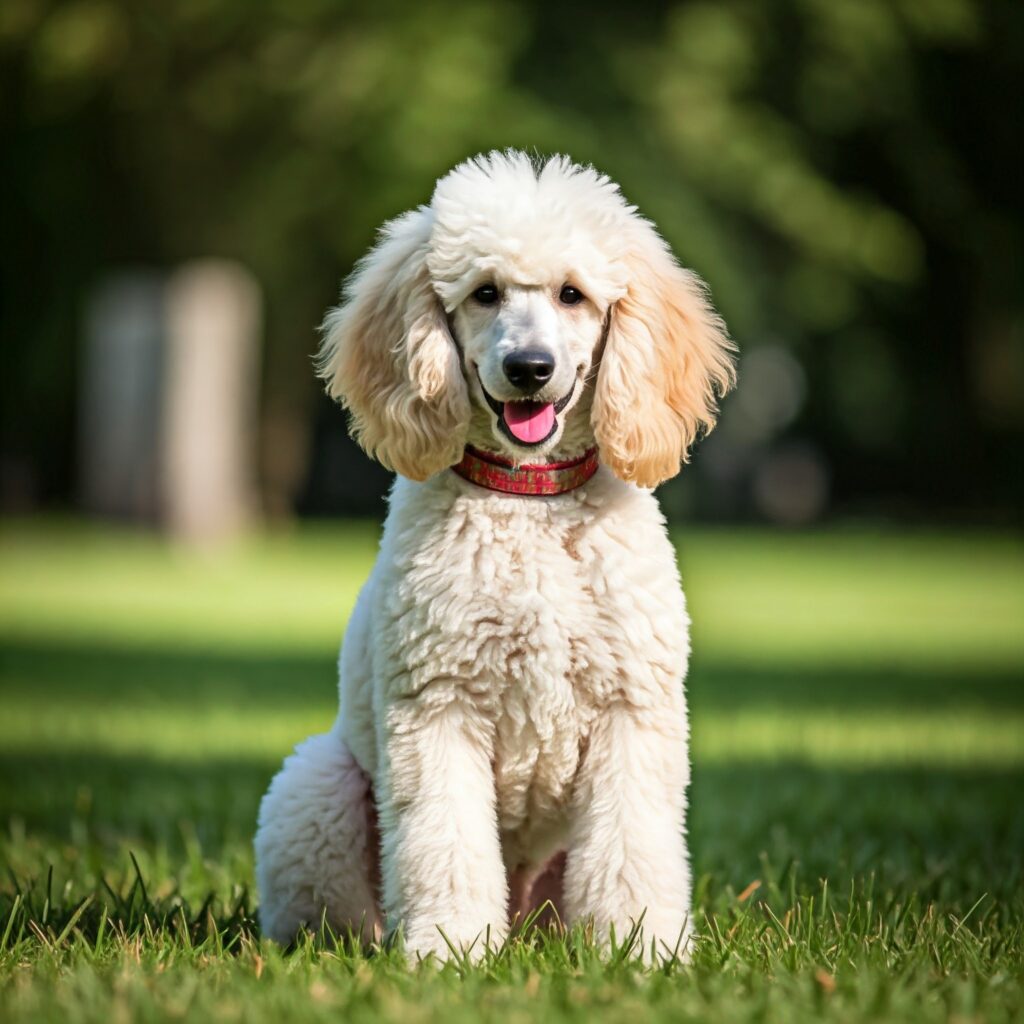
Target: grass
{"x":857,"y":825}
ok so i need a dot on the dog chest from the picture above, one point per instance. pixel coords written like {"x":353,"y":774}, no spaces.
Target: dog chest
{"x":542,"y":613}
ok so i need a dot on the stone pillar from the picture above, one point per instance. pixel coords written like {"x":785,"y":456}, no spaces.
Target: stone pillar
{"x":119,"y":398}
{"x":211,"y":379}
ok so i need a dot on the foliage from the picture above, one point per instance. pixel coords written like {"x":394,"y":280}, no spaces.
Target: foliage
{"x":842,"y":171}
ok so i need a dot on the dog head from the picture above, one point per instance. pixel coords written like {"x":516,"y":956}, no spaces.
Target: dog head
{"x":531,"y":311}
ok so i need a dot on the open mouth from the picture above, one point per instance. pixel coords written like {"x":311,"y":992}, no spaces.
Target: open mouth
{"x":527,"y":423}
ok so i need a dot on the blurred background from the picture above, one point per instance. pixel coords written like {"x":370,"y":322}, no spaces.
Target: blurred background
{"x":845,"y":173}
{"x":184,"y":186}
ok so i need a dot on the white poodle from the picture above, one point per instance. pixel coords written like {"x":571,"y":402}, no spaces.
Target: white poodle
{"x":528,"y":356}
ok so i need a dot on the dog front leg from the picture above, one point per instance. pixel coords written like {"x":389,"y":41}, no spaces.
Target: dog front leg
{"x":627,"y":850}
{"x":441,"y":854}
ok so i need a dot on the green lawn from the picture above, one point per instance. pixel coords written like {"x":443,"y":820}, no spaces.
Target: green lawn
{"x":857,"y":821}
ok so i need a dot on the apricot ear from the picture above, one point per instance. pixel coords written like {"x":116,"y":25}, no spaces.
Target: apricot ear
{"x":667,"y":360}
{"x":387,"y":355}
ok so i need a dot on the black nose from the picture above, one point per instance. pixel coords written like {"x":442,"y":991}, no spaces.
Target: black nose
{"x":529,"y":369}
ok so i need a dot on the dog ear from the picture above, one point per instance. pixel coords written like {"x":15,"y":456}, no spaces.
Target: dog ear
{"x":387,"y":355}
{"x":667,"y":359}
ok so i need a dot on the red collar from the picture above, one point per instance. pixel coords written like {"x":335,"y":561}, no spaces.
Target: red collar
{"x":498,"y":474}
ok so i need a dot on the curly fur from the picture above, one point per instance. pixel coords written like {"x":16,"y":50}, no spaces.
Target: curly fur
{"x":512,"y":721}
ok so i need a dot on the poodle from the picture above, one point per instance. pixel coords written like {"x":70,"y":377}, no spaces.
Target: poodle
{"x":530,"y":359}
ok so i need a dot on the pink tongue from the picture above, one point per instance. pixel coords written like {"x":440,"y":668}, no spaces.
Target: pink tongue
{"x":529,"y":421}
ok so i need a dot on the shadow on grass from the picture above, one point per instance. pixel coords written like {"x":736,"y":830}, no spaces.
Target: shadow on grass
{"x":116,"y":675}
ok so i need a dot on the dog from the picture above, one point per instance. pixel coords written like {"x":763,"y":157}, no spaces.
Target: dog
{"x":528,"y":356}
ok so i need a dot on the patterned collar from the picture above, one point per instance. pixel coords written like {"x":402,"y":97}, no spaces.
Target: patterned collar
{"x":498,"y":474}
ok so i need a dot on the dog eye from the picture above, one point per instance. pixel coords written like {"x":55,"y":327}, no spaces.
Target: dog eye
{"x":570,"y":296}
{"x":486,"y":295}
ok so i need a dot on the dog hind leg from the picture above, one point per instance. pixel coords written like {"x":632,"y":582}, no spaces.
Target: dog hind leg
{"x":316,"y":845}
